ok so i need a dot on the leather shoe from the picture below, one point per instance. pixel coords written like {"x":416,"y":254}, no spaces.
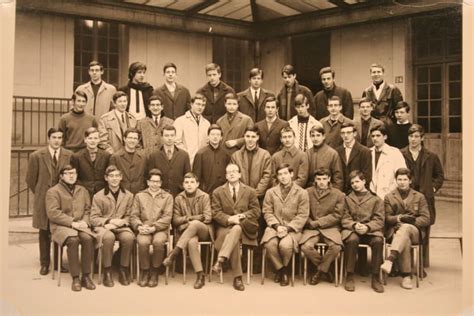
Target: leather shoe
{"x":144,"y":278}
{"x":87,"y":282}
{"x":327,"y":276}
{"x":238,"y":284}
{"x":153,"y":281}
{"x":123,"y":277}
{"x":108,"y":280}
{"x":200,"y":280}
{"x":76,"y":284}
{"x":349,"y":284}
{"x":218,"y":266}
{"x":277,"y":278}
{"x":376,"y":284}
{"x":44,"y":270}
{"x":284,"y":279}
{"x":316,"y":278}
{"x":63,"y":269}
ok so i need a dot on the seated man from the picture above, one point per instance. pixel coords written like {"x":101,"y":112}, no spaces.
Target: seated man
{"x":362,"y":222}
{"x":406,"y":217}
{"x":235,"y":210}
{"x":68,"y":206}
{"x":326,"y":208}
{"x":192,"y":222}
{"x":285,"y":209}
{"x":110,"y":215}
{"x":151,"y":218}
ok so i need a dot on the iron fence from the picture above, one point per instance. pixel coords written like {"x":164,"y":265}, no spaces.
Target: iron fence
{"x":21,"y":198}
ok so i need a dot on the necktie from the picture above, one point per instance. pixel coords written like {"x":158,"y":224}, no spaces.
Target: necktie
{"x":255,"y":98}
{"x":55,"y":160}
{"x":156,"y":120}
{"x":197,"y":119}
{"x":302,"y":136}
{"x":137,"y":101}
{"x":169,"y":154}
{"x":93,"y":155}
{"x":123,"y":119}
{"x":234,"y":194}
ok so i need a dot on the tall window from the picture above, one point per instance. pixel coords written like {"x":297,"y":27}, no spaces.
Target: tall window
{"x":229,"y":53}
{"x":96,"y":40}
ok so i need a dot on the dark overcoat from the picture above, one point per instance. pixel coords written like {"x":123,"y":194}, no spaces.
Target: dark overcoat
{"x":248,"y":107}
{"x":91,"y":174}
{"x":295,"y":90}
{"x":177,"y":105}
{"x":359,"y":159}
{"x":235,"y":129}
{"x":215,"y":108}
{"x":270,"y":138}
{"x":133,"y":171}
{"x":321,"y":100}
{"x":209,"y":166}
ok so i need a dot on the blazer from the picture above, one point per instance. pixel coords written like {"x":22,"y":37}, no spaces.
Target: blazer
{"x":40,"y":176}
{"x":215,"y":108}
{"x":383,"y":175}
{"x":177,"y":105}
{"x":326,"y":157}
{"x":373,"y":123}
{"x":297,"y":159}
{"x":259,"y":176}
{"x":359,"y":159}
{"x":321,"y":101}
{"x":326,"y":210}
{"x":101,"y":104}
{"x":234,"y":130}
{"x":209,"y":166}
{"x":415,"y":204}
{"x":63,"y":207}
{"x":295,"y":90}
{"x":153,"y":211}
{"x":151,"y":134}
{"x":246,"y":203}
{"x":91,"y":174}
{"x":270,"y":138}
{"x":172,"y":171}
{"x":111,"y":132}
{"x":190,"y":135}
{"x":133,"y":171}
{"x":291,"y":211}
{"x":368,"y":211}
{"x":248,"y":107}
{"x":384,"y":105}
{"x":293,"y":122}
{"x":333,"y":132}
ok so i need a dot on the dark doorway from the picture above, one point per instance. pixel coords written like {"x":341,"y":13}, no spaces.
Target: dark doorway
{"x":310,"y":53}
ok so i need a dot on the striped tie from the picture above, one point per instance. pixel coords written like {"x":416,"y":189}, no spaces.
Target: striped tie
{"x":302,"y":137}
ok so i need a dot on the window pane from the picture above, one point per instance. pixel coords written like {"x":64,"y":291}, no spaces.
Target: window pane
{"x":454,"y":107}
{"x":435,"y":91}
{"x":87,"y":26}
{"x":422,"y":92}
{"x":422,"y":75}
{"x":86,"y":58}
{"x":103,"y":45}
{"x":113,"y":61}
{"x":113,"y":76}
{"x":454,"y":90}
{"x":113,"y":30}
{"x":435,"y":74}
{"x":454,"y":72}
{"x":436,"y":48}
{"x":85,"y":74}
{"x":424,"y":122}
{"x":77,"y":74}
{"x":423,"y":108}
{"x":455,"y":125}
{"x":455,"y":46}
{"x":113,"y":45}
{"x":435,"y":125}
{"x":103,"y":60}
{"x":87,"y":43}
{"x":435,"y":108}
{"x":103,"y":28}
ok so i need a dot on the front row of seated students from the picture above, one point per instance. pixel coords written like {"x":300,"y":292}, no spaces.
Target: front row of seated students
{"x":295,"y":217}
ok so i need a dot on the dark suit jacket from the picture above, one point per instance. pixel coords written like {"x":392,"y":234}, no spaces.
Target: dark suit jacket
{"x":359,"y":159}
{"x":234,"y":130}
{"x":389,"y":97}
{"x":373,"y":123}
{"x":321,"y":100}
{"x":247,"y":106}
{"x":209,"y":166}
{"x":91,"y":174}
{"x":172,"y":171}
{"x":177,"y":105}
{"x":215,"y":108}
{"x":270,"y":138}
{"x":133,"y":172}
{"x":282,"y":101}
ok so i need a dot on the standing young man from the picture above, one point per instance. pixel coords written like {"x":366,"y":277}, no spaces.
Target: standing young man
{"x":270,"y":127}
{"x":99,"y":93}
{"x":74,"y":123}
{"x":252,"y":99}
{"x":366,"y":122}
{"x":302,"y":123}
{"x":137,"y":90}
{"x":175,"y":97}
{"x":150,"y":218}
{"x":43,"y":172}
{"x":333,"y":122}
{"x":214,"y":91}
{"x":291,"y":88}
{"x":191,"y":128}
{"x":398,"y":131}
{"x":211,"y":160}
{"x":327,"y":76}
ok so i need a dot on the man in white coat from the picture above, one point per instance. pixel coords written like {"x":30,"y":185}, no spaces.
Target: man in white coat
{"x":386,"y":160}
{"x":302,"y":123}
{"x":191,"y":128}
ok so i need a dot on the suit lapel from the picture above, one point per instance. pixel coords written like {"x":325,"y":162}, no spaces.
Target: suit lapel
{"x":62,"y":160}
{"x":249,"y":97}
{"x":48,"y":161}
{"x":354,"y":152}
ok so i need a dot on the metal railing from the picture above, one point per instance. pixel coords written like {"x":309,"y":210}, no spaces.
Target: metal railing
{"x":21,"y":198}
{"x":33,"y":116}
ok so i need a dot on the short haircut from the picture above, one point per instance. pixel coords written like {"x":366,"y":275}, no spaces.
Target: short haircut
{"x":253,"y":129}
{"x":348,"y":124}
{"x":213,"y":66}
{"x":111,"y":169}
{"x":271,"y":98}
{"x":317,"y":128}
{"x":96,"y":63}
{"x":168,"y":127}
{"x":134,"y":68}
{"x":169,"y":65}
{"x":255,"y":72}
{"x":403,"y":172}
{"x":154,"y":98}
{"x":90,"y":130}
{"x":416,"y":128}
{"x":356,"y":173}
{"x":283,"y":166}
{"x":190,"y":175}
{"x":53,"y":130}
{"x":365,"y":100}
{"x":301,"y":99}
{"x":119,"y":94}
{"x":231,"y":96}
{"x":376,"y":65}
{"x":335,"y":98}
{"x":232,"y":164}
{"x":401,"y":105}
{"x":198,"y":96}
{"x":79,"y":93}
{"x":287,"y":129}
{"x":327,"y":70}
{"x":132,"y":130}
{"x":288,"y":70}
{"x":214,"y":127}
{"x":322,"y":172}
{"x":66,"y":168}
{"x":382,"y":129}
{"x":154,"y":172}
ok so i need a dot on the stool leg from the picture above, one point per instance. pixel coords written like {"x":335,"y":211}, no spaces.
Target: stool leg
{"x":293,"y":269}
{"x":53,"y":275}
{"x":184,"y":265}
{"x":264,"y":253}
{"x":60,"y":255}
{"x":251,"y":262}
{"x":305,"y":268}
{"x":248,"y":266}
{"x":421,"y":259}
{"x":212,"y":260}
{"x":336,"y":276}
{"x":417,"y":266}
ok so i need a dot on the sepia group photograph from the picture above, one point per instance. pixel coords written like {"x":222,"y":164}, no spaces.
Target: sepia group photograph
{"x":236,"y":157}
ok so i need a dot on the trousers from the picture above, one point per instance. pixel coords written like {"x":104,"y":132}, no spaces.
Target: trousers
{"x":322,"y":262}
{"x":351,"y":244}
{"x":228,"y":245}
{"x":125,"y":238}
{"x":189,"y":239}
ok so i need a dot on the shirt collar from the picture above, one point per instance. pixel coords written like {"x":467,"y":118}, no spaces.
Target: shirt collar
{"x":236,"y":186}
{"x":51,"y":151}
{"x":350,"y":146}
{"x":118,"y":113}
{"x":271,"y":121}
{"x":292,"y":151}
